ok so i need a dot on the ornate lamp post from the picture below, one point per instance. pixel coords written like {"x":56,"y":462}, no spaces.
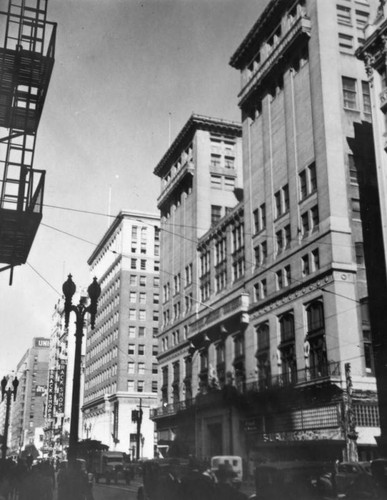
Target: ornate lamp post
{"x":80,"y":311}
{"x":8,"y":394}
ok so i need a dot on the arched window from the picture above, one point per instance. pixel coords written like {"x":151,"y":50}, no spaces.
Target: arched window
{"x":316,"y":355}
{"x":263,"y":356}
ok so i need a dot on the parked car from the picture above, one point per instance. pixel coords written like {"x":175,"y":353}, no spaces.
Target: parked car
{"x":347,"y":472}
{"x":296,"y":480}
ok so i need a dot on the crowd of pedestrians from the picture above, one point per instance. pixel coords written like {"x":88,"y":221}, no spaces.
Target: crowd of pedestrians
{"x":24,"y":480}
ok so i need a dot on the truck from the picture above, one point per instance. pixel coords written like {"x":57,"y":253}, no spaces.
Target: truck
{"x":110,"y":465}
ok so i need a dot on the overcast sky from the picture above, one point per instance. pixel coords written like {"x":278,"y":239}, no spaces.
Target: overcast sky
{"x":122,"y":68}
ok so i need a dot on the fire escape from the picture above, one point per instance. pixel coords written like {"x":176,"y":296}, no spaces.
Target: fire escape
{"x":26,"y":62}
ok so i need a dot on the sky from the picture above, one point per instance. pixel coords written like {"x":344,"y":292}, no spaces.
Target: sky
{"x":128,"y":74}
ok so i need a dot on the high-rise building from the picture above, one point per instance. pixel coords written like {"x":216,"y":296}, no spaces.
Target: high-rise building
{"x":121,"y":363}
{"x":279,"y":353}
{"x":373,"y":53}
{"x":27,"y":414}
{"x":201,"y":183}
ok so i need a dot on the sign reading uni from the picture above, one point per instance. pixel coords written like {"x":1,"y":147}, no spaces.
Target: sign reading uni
{"x":42,"y":342}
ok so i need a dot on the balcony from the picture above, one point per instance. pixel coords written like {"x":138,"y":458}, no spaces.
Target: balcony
{"x":168,"y":410}
{"x":301,"y":26}
{"x":306,"y":376}
{"x":238,"y":305}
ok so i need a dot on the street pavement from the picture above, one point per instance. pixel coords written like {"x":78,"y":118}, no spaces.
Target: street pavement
{"x":116,"y":491}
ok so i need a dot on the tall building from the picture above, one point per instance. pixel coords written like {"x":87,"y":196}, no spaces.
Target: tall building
{"x":279,"y":352}
{"x":201,"y":182}
{"x":373,"y":53}
{"x":121,"y":363}
{"x":27,"y":417}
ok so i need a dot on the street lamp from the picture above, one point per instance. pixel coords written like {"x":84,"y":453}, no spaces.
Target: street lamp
{"x":80,"y":310}
{"x":8,"y":394}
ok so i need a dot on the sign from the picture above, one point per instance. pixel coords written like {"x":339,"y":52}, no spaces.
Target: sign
{"x":50,"y":396}
{"x":42,"y":342}
{"x":60,"y":389}
{"x":40,"y":390}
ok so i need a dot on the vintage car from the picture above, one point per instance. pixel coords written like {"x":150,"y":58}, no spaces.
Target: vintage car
{"x":296,"y":480}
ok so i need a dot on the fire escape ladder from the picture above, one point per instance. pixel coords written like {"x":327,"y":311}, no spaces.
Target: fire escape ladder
{"x":26,"y":62}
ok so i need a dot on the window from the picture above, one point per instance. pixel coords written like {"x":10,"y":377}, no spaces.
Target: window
{"x":286,"y":237}
{"x":278,"y":279}
{"x":277,"y":199}
{"x":287,"y":348}
{"x":188,"y":274}
{"x":154,"y":368}
{"x":134,"y":232}
{"x":133,"y":263}
{"x":155,"y":350}
{"x":131,"y":349}
{"x":154,"y":385}
{"x":140,"y":386}
{"x":141,"y":315}
{"x":315,"y":346}
{"x":141,"y":331}
{"x":143,"y":264}
{"x":278,"y":237}
{"x":156,"y":281}
{"x":314,"y":217}
{"x":281,"y":201}
{"x":130,"y":367}
{"x":215,"y":160}
{"x":305,"y":265}
{"x":216,"y":181}
{"x":142,"y":298}
{"x":176,"y":283}
{"x":229,"y":162}
{"x":343,"y":15}
{"x":345,"y":42}
{"x":260,"y":291}
{"x":353,"y":174}
{"x":349,"y":93}
{"x":141,"y":349}
{"x":287,"y":276}
{"x":359,"y":252}
{"x":263,"y":356}
{"x":315,"y":260}
{"x":132,"y":332}
{"x":229,"y":183}
{"x":361,"y":18}
{"x":303,"y":185}
{"x":367,"y":339}
{"x":216,"y":213}
{"x":132,"y":314}
{"x":308,"y":181}
{"x":142,"y":280}
{"x":260,"y":253}
{"x":355,"y":208}
{"x":366,"y":97}
{"x":130,"y":385}
{"x":156,"y":298}
{"x":133,"y":280}
{"x":305,"y":224}
{"x":132,"y":297}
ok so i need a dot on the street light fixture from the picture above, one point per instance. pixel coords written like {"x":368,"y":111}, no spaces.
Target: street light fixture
{"x":8,"y":394}
{"x":80,"y":311}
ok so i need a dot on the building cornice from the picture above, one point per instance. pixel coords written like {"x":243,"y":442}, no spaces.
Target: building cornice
{"x":238,"y":59}
{"x":195,"y":122}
